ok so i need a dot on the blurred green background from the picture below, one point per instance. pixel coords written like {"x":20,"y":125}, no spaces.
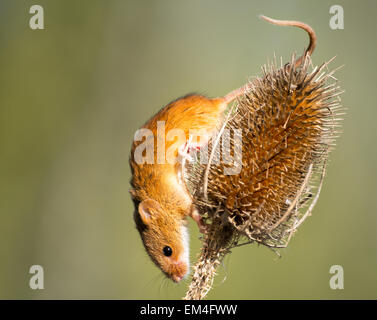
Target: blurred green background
{"x":72,"y":96}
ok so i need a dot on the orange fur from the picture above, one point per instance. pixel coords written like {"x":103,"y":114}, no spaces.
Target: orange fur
{"x":161,"y":182}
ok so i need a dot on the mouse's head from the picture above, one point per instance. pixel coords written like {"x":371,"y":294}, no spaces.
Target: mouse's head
{"x":164,"y":237}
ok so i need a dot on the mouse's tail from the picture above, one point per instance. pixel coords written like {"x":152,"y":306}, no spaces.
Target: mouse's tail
{"x":313,"y":40}
{"x":304,"y":26}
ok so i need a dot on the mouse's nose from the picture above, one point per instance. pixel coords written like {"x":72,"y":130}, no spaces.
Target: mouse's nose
{"x":177,"y":278}
{"x":178,"y":271}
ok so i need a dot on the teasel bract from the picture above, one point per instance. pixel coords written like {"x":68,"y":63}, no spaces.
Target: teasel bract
{"x":288,"y":119}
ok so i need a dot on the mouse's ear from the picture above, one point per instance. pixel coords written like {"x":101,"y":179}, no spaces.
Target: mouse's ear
{"x":148,"y":208}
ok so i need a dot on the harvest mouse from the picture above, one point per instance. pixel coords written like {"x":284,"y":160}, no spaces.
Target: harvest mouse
{"x":162,"y":201}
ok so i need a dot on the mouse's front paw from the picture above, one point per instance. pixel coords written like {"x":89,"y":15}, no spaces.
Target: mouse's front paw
{"x":199,"y":221}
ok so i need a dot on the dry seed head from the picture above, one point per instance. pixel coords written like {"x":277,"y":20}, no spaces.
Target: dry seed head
{"x":288,"y":119}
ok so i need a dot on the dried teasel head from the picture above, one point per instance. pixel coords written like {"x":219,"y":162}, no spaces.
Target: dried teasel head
{"x":288,"y":118}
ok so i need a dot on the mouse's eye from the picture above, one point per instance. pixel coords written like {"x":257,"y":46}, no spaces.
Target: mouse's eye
{"x":167,"y":251}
